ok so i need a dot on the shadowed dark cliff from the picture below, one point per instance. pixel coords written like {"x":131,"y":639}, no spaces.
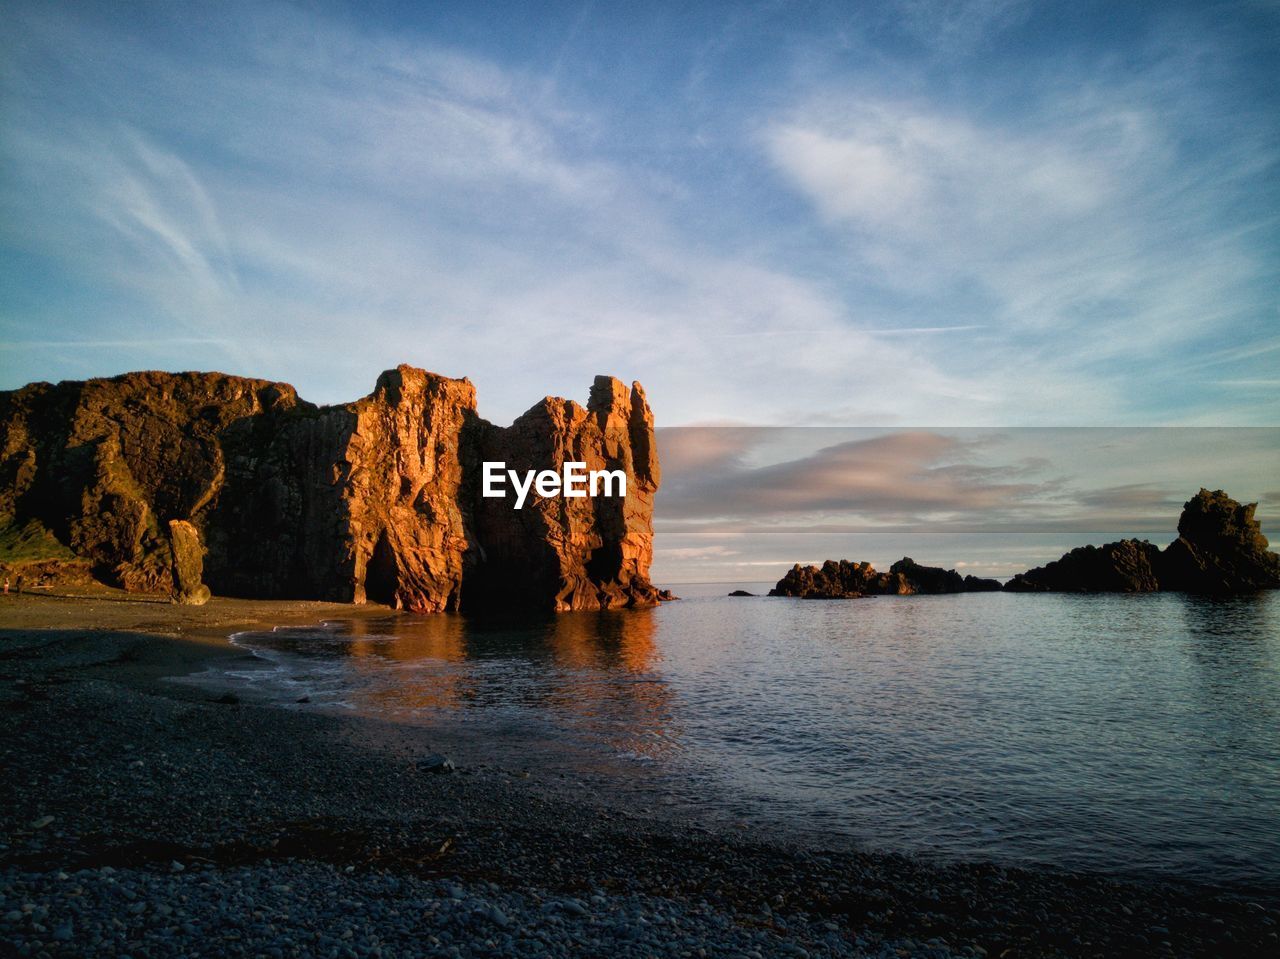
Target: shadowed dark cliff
{"x":377,"y":499}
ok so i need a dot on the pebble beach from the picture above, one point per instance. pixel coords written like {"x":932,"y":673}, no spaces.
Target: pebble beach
{"x":145,"y":817}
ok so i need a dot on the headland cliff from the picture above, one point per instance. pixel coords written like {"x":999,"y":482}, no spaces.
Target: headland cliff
{"x":182,"y":483}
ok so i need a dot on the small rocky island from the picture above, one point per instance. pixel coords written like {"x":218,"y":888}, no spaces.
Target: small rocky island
{"x":1220,"y":550}
{"x":182,"y":483}
{"x":845,"y":580}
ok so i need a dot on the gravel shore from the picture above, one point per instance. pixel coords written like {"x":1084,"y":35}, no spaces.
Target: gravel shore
{"x":142,"y":817}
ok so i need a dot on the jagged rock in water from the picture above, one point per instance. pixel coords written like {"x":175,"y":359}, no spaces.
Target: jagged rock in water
{"x":376,"y":499}
{"x":843,"y":580}
{"x":1220,"y":549}
{"x":188,"y":564}
{"x":928,"y":579}
{"x":1128,"y":566}
{"x":839,"y":580}
{"x":935,"y":579}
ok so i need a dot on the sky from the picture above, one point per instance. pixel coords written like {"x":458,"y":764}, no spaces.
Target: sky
{"x":939,"y":215}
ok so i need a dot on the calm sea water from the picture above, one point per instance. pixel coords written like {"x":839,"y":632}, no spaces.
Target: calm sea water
{"x":1124,"y":734}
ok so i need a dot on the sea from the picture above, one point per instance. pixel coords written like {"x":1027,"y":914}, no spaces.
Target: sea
{"x":1133,"y":735}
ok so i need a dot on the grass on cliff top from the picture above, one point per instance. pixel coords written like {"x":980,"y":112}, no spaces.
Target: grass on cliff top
{"x":31,"y":544}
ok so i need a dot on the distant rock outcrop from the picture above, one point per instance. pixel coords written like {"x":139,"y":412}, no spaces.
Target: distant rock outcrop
{"x":1220,"y":549}
{"x":845,"y":580}
{"x":835,"y":579}
{"x":935,"y":579}
{"x":376,"y":499}
{"x":1128,"y":566}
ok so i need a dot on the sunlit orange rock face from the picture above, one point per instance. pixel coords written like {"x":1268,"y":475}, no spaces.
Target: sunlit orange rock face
{"x":376,"y":499}
{"x":586,"y":552}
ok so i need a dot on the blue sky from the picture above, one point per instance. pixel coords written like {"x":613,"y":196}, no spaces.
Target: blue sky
{"x":962,"y":213}
{"x":910,"y":214}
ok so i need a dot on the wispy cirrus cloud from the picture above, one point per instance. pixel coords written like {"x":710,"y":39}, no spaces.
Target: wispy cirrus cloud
{"x":345,"y":201}
{"x":1060,"y":237}
{"x":1088,"y":231}
{"x":957,"y":27}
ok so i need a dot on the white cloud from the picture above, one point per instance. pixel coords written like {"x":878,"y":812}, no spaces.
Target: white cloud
{"x":1082,"y":232}
{"x":972,"y":198}
{"x":850,"y":177}
{"x":314,"y":203}
{"x":696,"y":552}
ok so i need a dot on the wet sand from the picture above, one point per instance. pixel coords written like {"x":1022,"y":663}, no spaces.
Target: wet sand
{"x":141,"y":816}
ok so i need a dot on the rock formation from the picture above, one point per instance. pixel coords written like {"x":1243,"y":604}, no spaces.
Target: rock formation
{"x":1220,"y":549}
{"x":377,"y":499}
{"x":935,"y":579}
{"x":188,"y":564}
{"x":835,"y":579}
{"x":1128,"y":566}
{"x":586,"y":552}
{"x":844,"y":580}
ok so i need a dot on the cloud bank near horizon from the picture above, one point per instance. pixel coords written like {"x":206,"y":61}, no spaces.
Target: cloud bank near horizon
{"x":741,"y":504}
{"x":912,"y":213}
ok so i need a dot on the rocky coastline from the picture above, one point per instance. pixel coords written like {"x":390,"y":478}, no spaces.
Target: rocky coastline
{"x":1220,"y":550}
{"x":179,"y":484}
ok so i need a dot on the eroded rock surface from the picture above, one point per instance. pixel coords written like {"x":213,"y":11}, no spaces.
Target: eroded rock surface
{"x":188,"y":564}
{"x":376,"y":499}
{"x":585,"y":552}
{"x":1220,"y":549}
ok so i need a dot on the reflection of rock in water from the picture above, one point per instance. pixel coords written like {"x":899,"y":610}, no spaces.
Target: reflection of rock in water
{"x":428,"y":646}
{"x":595,"y":670}
{"x":1235,"y":679}
{"x":604,"y":640}
{"x":607,"y":680}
